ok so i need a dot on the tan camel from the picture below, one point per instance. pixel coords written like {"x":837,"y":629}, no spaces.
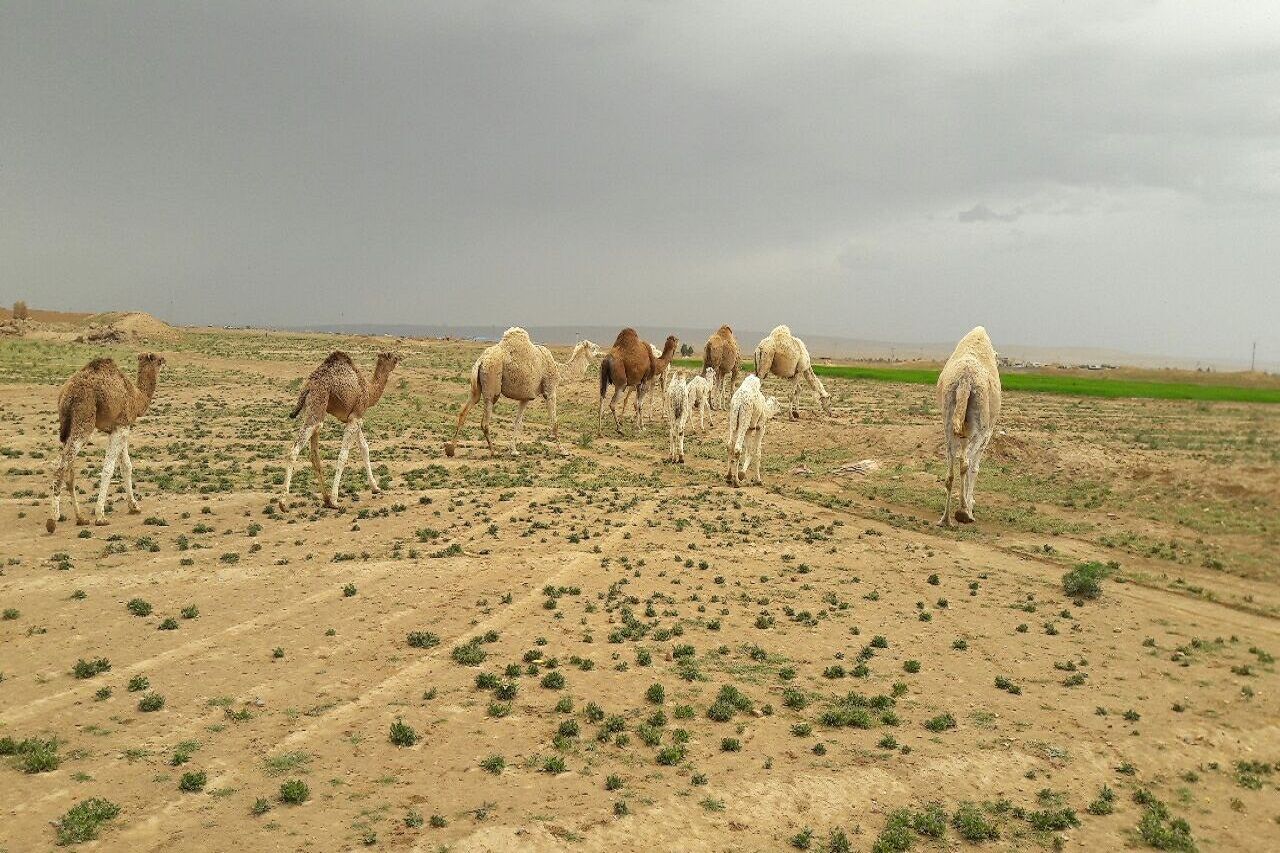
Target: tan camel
{"x":969,"y":396}
{"x":723,"y":355}
{"x":786,"y":357}
{"x":100,"y":397}
{"x":630,"y":364}
{"x":337,"y":387}
{"x":520,"y":370}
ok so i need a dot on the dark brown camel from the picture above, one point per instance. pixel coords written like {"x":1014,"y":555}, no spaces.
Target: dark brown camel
{"x":630,"y":365}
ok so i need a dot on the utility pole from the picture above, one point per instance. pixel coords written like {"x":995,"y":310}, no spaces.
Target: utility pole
{"x":1253,"y":359}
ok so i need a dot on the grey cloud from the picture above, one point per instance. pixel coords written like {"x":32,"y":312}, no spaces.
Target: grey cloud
{"x":629,"y":163}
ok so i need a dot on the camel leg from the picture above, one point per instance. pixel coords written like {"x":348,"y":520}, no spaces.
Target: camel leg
{"x":307,"y":432}
{"x":759,"y":454}
{"x":126,"y":468}
{"x":747,"y":454}
{"x":613,"y":408}
{"x":368,"y":466}
{"x":114,"y":444}
{"x":945,"y":521}
{"x":515,"y":428}
{"x":485,"y":417}
{"x":315,"y":457}
{"x":972,"y":458}
{"x":550,"y":397}
{"x":66,"y":472}
{"x":348,"y":435}
{"x":795,"y":398}
{"x":640,"y":389}
{"x":462,"y":418}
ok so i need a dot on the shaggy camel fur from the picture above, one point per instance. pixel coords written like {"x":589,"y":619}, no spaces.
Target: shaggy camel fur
{"x":337,"y":387}
{"x":701,"y":391}
{"x":749,"y":411}
{"x":520,"y":370}
{"x":99,"y":396}
{"x":677,"y":407}
{"x":969,"y":396}
{"x":722,"y":355}
{"x":786,"y":357}
{"x":629,"y":365}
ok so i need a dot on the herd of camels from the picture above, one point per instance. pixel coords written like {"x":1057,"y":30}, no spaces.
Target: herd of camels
{"x":100,"y":397}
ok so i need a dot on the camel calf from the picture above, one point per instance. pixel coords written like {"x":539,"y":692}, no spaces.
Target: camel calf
{"x":749,"y":411}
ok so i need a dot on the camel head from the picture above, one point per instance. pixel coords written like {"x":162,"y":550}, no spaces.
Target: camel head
{"x":825,"y":400}
{"x":387,"y":361}
{"x":771,"y":406}
{"x":669,"y":348}
{"x":709,"y":374}
{"x":150,"y":361}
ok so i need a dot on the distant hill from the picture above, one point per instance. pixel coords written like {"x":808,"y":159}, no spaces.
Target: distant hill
{"x":820,"y":346}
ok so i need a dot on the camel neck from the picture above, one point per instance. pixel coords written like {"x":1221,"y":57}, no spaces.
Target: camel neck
{"x":380,"y":376}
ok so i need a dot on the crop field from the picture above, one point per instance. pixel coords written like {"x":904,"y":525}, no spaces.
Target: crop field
{"x":582,"y":647}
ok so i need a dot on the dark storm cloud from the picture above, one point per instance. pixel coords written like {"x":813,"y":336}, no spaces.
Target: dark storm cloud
{"x":817,"y":164}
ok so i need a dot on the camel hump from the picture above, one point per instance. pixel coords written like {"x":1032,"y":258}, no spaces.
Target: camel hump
{"x":626,"y":336}
{"x":779,"y":331}
{"x":336,"y":358}
{"x":515,"y":332}
{"x":101,"y":364}
{"x":724,"y":330}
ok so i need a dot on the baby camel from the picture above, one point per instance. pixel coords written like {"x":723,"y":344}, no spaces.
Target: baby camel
{"x":99,"y":396}
{"x":677,"y":406}
{"x":701,"y":393}
{"x":969,"y":396}
{"x":337,"y":387}
{"x":749,"y":411}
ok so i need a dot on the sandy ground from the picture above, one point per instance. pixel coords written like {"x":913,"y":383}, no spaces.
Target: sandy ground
{"x":591,"y":570}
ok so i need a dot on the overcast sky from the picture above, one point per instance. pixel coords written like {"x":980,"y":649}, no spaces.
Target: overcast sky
{"x":1066,"y":173}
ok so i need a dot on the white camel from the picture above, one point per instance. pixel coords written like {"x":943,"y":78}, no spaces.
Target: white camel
{"x":786,"y":357}
{"x":969,"y":396}
{"x":677,"y":408}
{"x":749,"y":411}
{"x":701,"y":393}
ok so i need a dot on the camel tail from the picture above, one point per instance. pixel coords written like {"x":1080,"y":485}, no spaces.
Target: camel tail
{"x":706,"y":357}
{"x":963,"y":390}
{"x":302,"y":401}
{"x":64,"y":422}
{"x":606,"y":371}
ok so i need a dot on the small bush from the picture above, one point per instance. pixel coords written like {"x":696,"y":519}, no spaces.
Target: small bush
{"x":88,"y":669}
{"x":82,"y":821}
{"x":402,"y":734}
{"x":940,"y":723}
{"x":138,"y":607}
{"x":193,"y":782}
{"x":426,"y":639}
{"x":1085,"y":580}
{"x":294,"y":792}
{"x":150,"y":702}
{"x":972,"y":824}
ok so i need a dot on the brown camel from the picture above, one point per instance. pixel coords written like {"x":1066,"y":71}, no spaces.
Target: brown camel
{"x":723,"y":355}
{"x":630,"y":364}
{"x":662,"y":373}
{"x":99,"y":396}
{"x":337,"y":387}
{"x":520,"y":370}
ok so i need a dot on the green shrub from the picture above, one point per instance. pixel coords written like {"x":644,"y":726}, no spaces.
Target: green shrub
{"x":294,"y":791}
{"x":193,"y":782}
{"x":1085,"y":580}
{"x":972,"y":824}
{"x":402,"y":734}
{"x":82,"y":821}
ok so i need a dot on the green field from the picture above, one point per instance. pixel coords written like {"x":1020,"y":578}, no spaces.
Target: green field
{"x":1078,"y":386}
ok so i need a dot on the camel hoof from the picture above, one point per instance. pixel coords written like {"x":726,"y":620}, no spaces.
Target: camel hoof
{"x":330,"y":503}
{"x":50,"y":525}
{"x":450,"y":448}
{"x":99,"y":522}
{"x":944,"y":522}
{"x":795,"y":416}
{"x":133,"y":510}
{"x":964,"y":517}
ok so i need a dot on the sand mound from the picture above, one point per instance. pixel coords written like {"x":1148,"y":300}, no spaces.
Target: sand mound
{"x":137,"y":325}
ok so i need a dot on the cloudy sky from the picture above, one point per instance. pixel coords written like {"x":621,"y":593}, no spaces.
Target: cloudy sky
{"x":1066,"y":173}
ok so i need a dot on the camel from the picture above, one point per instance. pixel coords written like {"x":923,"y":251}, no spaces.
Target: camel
{"x":749,"y":411}
{"x":701,"y":391}
{"x":660,"y":378}
{"x":519,"y":370}
{"x":631,"y":364}
{"x":786,"y":357}
{"x":337,"y":387}
{"x":969,"y":396}
{"x":677,"y":407}
{"x":100,"y":397}
{"x":722,"y":355}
